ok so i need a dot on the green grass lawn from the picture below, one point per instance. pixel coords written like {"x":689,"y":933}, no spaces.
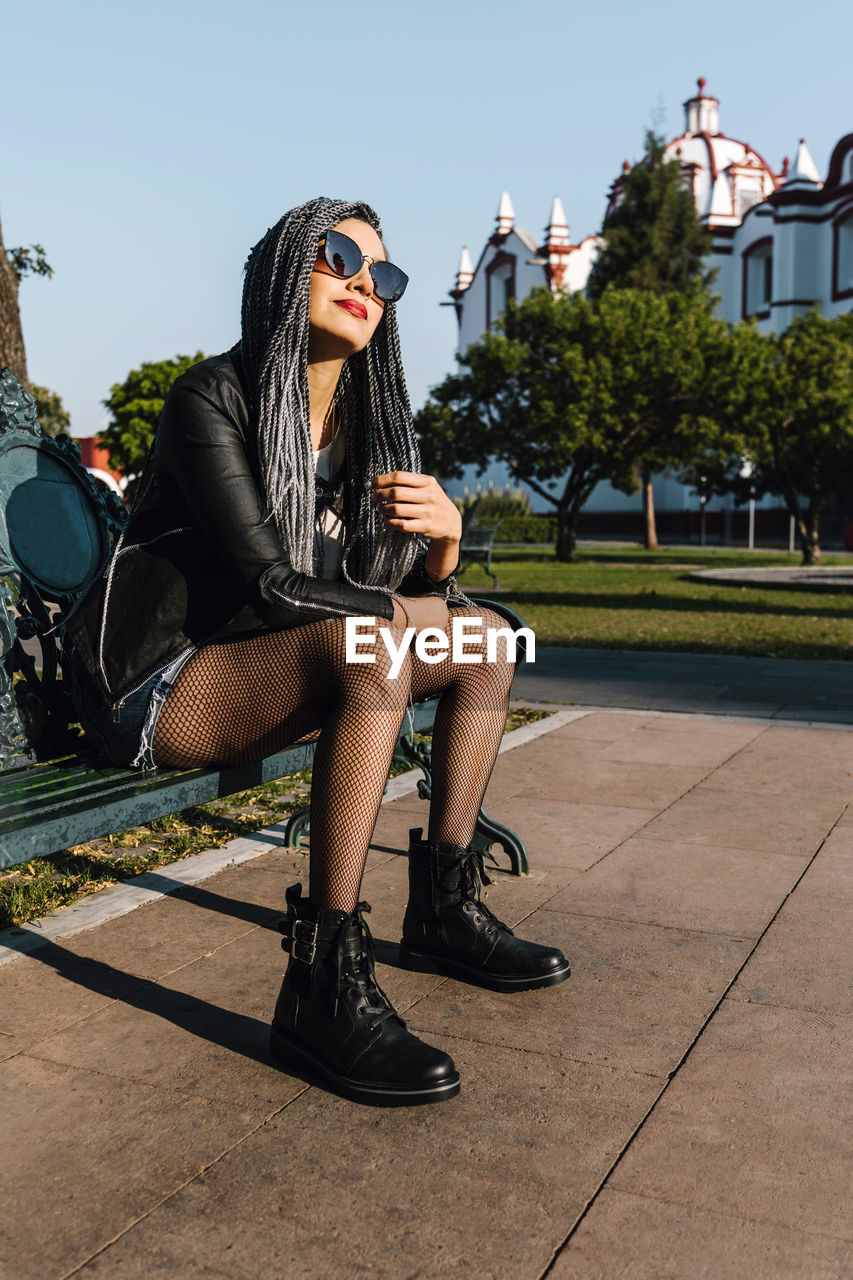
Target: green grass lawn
{"x":628,"y":598}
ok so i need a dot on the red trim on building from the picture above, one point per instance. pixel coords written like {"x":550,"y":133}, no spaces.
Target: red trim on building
{"x":836,"y":162}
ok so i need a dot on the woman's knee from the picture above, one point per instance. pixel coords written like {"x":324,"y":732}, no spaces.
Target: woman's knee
{"x":379,"y":667}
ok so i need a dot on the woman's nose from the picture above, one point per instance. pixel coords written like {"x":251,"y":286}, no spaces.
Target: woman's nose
{"x":363,"y":280}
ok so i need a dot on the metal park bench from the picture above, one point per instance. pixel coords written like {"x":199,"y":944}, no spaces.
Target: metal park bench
{"x":477,"y":543}
{"x":57,"y":529}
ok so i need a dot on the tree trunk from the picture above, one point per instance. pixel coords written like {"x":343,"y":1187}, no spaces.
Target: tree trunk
{"x":649,"y":522}
{"x":567,"y":529}
{"x":11,"y":335}
{"x":808,"y":529}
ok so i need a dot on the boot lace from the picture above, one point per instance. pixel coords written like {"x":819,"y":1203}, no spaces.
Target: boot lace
{"x":472,"y":873}
{"x":361,"y":972}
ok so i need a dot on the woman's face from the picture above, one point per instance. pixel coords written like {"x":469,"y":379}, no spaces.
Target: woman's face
{"x":343,"y":314}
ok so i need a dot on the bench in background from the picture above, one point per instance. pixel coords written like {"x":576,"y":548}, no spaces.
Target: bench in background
{"x":476,"y":544}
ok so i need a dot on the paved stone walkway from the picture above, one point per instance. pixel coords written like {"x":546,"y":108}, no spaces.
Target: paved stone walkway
{"x":678,"y":1108}
{"x":789,"y":577}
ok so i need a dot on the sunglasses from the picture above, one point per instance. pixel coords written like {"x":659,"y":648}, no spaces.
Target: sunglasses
{"x":344,"y":257}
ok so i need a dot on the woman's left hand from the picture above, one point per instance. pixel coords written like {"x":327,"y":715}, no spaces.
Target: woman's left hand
{"x":417,"y":504}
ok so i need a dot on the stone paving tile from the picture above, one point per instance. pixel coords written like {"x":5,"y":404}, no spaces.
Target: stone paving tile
{"x":602,"y":726}
{"x":806,"y":961}
{"x":560,"y":838}
{"x":203,"y":1030}
{"x":777,"y":823}
{"x":50,"y":990}
{"x":801,"y":762}
{"x":564,"y":837}
{"x":756,"y":1117}
{"x":160,"y":937}
{"x":329,"y":1187}
{"x":658,"y":744}
{"x":91,"y":1154}
{"x":644,"y":1239}
{"x":636,"y":998}
{"x":594,"y":780}
{"x":684,"y":886}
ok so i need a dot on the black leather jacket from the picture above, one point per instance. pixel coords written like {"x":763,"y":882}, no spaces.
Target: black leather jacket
{"x":196,"y":552}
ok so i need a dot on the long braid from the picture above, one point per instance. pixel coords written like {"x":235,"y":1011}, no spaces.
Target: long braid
{"x":371,"y":400}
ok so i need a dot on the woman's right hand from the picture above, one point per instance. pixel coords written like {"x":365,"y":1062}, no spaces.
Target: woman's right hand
{"x":425,"y":611}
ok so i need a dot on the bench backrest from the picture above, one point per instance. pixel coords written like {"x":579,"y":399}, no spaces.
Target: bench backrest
{"x":57,"y":528}
{"x":475,"y":535}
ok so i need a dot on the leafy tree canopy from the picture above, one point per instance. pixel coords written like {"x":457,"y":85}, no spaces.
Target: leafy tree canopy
{"x":29,"y":261}
{"x":135,"y":406}
{"x":787,"y":410}
{"x":573,"y":391}
{"x":653,"y":237}
{"x":52,"y":415}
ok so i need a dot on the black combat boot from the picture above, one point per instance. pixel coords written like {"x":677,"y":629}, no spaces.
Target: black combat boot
{"x":334,"y":1021}
{"x":447,"y":929}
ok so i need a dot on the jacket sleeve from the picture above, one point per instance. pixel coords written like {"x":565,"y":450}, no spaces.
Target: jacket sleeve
{"x":201,"y":446}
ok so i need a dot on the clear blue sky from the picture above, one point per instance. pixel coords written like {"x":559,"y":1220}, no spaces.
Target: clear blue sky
{"x":148,"y":146}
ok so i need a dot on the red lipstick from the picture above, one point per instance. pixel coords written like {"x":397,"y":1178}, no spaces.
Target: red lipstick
{"x":355,"y":308}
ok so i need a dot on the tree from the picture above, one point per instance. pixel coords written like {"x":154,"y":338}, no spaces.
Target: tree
{"x":14,"y":265}
{"x":52,"y":415}
{"x":577,"y":391}
{"x":787,"y":411}
{"x":12,"y":353}
{"x":653,"y":240}
{"x":135,"y":406}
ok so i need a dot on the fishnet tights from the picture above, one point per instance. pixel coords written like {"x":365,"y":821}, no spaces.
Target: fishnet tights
{"x":239,"y":700}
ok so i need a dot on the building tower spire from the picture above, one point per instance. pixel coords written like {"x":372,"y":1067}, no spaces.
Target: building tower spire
{"x":465,"y":273}
{"x":557,"y":246}
{"x":506,"y":216}
{"x":702,"y":113}
{"x":804,"y":168}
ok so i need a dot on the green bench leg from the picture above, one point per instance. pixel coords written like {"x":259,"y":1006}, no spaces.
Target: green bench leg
{"x":487,"y":831}
{"x":490,"y":830}
{"x":489,"y":570}
{"x":479,"y":557}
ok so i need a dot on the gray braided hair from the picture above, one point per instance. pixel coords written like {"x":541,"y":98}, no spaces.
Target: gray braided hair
{"x":370,"y":401}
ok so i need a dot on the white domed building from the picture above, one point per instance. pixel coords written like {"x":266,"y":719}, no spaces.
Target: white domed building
{"x":782,"y":240}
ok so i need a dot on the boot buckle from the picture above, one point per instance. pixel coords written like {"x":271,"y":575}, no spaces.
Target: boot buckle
{"x":300,"y":938}
{"x":304,"y":941}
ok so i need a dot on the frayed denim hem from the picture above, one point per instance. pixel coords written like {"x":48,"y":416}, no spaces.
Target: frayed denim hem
{"x":145,"y":756}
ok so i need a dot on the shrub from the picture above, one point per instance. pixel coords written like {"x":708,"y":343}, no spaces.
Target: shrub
{"x":496,"y":504}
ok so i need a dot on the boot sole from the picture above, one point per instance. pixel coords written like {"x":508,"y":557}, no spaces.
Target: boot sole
{"x":424,"y":962}
{"x":302,"y":1060}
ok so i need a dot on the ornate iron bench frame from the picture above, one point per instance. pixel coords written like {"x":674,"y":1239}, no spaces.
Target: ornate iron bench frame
{"x":58,"y":526}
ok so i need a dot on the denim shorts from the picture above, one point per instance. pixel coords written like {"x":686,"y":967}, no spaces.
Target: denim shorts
{"x":125,"y":733}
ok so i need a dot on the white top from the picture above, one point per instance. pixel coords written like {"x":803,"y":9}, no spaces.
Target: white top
{"x":326,"y":463}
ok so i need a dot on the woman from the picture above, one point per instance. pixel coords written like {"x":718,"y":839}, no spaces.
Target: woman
{"x":283,"y":495}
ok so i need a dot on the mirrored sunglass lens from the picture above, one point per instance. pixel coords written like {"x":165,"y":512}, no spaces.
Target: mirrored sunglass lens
{"x":389,"y":280}
{"x":342,"y":254}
